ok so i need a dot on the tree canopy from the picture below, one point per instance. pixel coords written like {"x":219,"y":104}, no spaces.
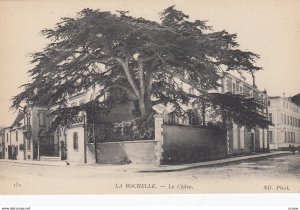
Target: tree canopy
{"x":138,"y":59}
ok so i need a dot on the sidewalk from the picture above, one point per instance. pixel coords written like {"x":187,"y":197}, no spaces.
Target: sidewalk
{"x":35,"y":162}
{"x":151,"y":168}
{"x":170,"y":168}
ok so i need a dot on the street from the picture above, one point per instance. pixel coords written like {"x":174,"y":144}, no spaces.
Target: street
{"x":271,"y":175}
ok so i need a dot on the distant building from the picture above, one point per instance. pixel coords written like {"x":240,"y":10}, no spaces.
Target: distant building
{"x":285,"y":115}
{"x":2,"y":143}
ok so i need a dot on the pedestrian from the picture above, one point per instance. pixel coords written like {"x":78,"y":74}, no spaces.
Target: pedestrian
{"x":293,"y":149}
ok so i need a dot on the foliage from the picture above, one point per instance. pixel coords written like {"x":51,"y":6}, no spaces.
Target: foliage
{"x":296,"y":99}
{"x":137,"y":129}
{"x":133,"y":58}
{"x":240,"y":109}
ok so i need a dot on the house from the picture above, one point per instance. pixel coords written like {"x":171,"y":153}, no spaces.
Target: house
{"x":78,"y":134}
{"x":240,"y":139}
{"x":285,"y":115}
{"x":14,"y":148}
{"x":2,"y":143}
{"x":29,"y":137}
{"x":26,"y":138}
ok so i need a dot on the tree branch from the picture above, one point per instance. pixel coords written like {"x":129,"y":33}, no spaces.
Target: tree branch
{"x":121,"y":87}
{"x":180,"y":77}
{"x":128,"y":74}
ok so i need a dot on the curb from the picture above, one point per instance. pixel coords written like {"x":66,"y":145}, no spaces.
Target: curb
{"x":174,"y":168}
{"x":211,"y":163}
{"x":30,"y":163}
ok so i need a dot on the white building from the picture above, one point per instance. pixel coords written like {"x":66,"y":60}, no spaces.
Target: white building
{"x":285,"y":115}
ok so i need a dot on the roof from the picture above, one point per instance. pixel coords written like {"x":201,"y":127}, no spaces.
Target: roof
{"x":20,"y":116}
{"x":246,"y":83}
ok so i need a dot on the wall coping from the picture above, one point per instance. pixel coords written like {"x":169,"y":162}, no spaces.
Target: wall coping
{"x":193,"y":126}
{"x":136,"y":141}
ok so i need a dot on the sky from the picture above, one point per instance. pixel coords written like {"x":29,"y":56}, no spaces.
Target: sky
{"x":270,"y":28}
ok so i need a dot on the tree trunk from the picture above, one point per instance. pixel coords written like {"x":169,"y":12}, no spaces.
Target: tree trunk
{"x":145,"y":104}
{"x":145,"y":79}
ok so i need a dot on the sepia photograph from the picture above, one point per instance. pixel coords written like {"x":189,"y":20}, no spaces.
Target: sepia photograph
{"x":149,"y":97}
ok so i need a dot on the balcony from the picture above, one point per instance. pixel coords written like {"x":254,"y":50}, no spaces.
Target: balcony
{"x":79,"y":120}
{"x":26,"y":128}
{"x":27,"y":131}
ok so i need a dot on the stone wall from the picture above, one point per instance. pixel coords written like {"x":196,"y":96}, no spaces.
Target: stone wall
{"x":184,"y":144}
{"x":137,"y":152}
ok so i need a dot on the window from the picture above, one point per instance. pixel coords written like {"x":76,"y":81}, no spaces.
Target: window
{"x":288,"y":120}
{"x":42,"y":118}
{"x":75,"y":141}
{"x":28,"y":145}
{"x":285,"y":137}
{"x":7,"y":137}
{"x":241,"y":89}
{"x":192,"y":117}
{"x":289,"y":137}
{"x":284,"y":119}
{"x":233,"y":88}
{"x":270,"y":136}
{"x":270,"y":117}
{"x":251,"y":94}
{"x":269,"y":103}
{"x":17,"y":136}
{"x":28,"y":120}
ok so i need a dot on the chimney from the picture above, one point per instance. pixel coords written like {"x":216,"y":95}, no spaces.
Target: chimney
{"x":265,"y":91}
{"x":253,"y":80}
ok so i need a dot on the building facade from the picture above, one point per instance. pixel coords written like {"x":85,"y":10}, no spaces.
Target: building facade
{"x":285,"y":116}
{"x":240,"y":139}
{"x":27,"y":137}
{"x":2,"y":143}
